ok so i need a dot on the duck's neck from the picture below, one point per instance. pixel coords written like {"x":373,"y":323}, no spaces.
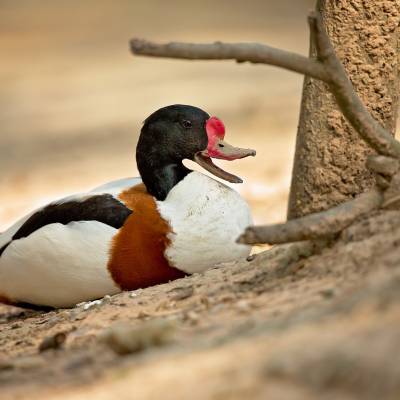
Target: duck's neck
{"x":159,"y":178}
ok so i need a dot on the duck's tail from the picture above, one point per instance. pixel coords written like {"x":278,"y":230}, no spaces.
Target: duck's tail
{"x":4,"y":242}
{"x":3,"y":299}
{"x":5,"y":239}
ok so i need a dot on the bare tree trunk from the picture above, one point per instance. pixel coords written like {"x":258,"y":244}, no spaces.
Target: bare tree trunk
{"x":329,"y":165}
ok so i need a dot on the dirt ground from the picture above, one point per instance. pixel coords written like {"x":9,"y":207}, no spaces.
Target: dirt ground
{"x":294,"y":323}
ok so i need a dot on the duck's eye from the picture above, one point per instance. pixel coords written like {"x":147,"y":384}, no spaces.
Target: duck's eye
{"x":186,"y":124}
{"x":221,"y":145}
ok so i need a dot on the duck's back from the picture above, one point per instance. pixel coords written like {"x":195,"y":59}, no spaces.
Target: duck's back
{"x":58,"y":255}
{"x":118,"y":237}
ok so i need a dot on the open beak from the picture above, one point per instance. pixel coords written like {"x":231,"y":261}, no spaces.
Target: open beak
{"x":224,"y":151}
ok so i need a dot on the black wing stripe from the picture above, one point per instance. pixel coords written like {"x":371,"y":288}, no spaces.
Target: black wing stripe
{"x":3,"y":248}
{"x":103,"y":208}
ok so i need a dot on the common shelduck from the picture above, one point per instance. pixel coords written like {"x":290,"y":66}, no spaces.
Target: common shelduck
{"x":134,"y":232}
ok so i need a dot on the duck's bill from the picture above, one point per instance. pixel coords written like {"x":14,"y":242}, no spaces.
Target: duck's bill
{"x":223,"y":151}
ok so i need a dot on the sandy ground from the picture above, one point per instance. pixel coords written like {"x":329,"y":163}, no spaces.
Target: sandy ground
{"x":283,"y":326}
{"x":287,"y":325}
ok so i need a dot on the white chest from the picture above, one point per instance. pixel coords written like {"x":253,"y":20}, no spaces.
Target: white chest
{"x":206,"y":217}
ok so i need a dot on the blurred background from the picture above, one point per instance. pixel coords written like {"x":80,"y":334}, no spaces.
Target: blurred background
{"x":73,"y":98}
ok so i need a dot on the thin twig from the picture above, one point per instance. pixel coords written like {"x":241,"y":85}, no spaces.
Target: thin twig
{"x":387,"y":166}
{"x":255,"y":53}
{"x":314,"y":226}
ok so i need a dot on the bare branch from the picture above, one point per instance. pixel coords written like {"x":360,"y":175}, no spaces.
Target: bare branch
{"x":350,"y":104}
{"x":316,"y":225}
{"x":387,"y":166}
{"x":391,"y":196}
{"x":327,"y":68}
{"x":384,"y":169}
{"x":255,"y":53}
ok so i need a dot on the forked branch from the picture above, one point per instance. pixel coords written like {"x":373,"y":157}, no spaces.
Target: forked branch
{"x":327,"y":68}
{"x":350,"y":104}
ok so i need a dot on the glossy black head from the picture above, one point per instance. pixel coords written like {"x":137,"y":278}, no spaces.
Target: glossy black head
{"x":168,"y":136}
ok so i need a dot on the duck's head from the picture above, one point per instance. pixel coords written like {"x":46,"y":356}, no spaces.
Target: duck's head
{"x":178,"y":132}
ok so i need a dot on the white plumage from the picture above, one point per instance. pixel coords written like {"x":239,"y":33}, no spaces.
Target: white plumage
{"x":59,"y":265}
{"x":62,"y":265}
{"x":206,"y":218}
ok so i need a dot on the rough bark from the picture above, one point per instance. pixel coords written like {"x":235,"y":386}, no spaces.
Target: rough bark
{"x":329,"y":165}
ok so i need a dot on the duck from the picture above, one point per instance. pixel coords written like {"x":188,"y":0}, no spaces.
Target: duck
{"x":133,"y":233}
